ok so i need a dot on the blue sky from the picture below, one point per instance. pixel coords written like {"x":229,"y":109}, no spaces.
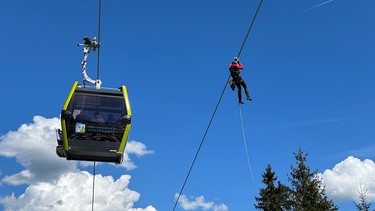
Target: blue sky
{"x":309,"y":69}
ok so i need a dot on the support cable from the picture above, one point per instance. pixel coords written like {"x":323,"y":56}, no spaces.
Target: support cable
{"x":88,"y":45}
{"x":97,"y":78}
{"x":93,"y":187}
{"x":200,"y":146}
{"x":251,"y":26}
{"x":213,"y":115}
{"x":99,"y":21}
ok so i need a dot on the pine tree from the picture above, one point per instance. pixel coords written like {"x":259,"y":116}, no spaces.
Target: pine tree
{"x":272,"y":198}
{"x":307,"y":191}
{"x":363,"y":205}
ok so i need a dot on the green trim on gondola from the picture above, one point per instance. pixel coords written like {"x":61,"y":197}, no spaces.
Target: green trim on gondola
{"x":63,"y":122}
{"x":89,"y":140}
{"x":127,"y":128}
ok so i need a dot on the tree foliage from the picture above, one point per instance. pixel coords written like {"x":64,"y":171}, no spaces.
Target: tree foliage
{"x":306,"y":192}
{"x":272,"y":197}
{"x":362,"y":205}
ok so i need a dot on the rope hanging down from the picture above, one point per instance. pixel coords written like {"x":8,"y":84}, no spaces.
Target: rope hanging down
{"x":244,"y":141}
{"x":238,"y":56}
{"x":213,"y":115}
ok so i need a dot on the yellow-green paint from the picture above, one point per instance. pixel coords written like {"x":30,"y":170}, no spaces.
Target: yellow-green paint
{"x":126,"y":98}
{"x":127,"y":128}
{"x":124,"y":139}
{"x":63,"y":124}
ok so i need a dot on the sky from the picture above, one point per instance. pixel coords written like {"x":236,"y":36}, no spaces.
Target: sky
{"x":308,"y":66}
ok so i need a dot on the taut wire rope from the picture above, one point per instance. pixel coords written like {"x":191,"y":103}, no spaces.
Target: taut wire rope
{"x":93,"y":187}
{"x":97,"y":77}
{"x":213,"y":115}
{"x":200,"y":145}
{"x":99,"y":21}
{"x":238,"y":55}
{"x":251,"y":26}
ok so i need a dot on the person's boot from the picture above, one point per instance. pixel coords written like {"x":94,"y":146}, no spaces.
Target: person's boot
{"x":240,"y":97}
{"x":248,"y":95}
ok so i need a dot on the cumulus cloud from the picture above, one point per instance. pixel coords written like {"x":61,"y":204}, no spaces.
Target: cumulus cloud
{"x":55,"y":183}
{"x":191,"y":203}
{"x":73,"y":191}
{"x":137,"y":148}
{"x":132,"y":147}
{"x":33,"y":146}
{"x":349,"y":177}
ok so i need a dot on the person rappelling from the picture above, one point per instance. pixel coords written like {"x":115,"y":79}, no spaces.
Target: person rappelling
{"x":237,"y":81}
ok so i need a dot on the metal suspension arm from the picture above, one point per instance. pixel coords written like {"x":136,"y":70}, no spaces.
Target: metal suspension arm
{"x":89,"y":45}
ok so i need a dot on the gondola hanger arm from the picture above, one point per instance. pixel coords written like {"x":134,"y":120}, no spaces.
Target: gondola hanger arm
{"x":89,"y":45}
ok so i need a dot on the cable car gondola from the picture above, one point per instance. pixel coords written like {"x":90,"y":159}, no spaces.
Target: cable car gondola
{"x":95,"y":123}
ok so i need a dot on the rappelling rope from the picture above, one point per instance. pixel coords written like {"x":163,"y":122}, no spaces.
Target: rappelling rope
{"x":244,"y":141}
{"x":213,"y":115}
{"x":238,"y":55}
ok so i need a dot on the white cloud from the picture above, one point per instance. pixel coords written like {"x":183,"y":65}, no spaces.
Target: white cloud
{"x":194,"y":204}
{"x":132,"y":147}
{"x":33,"y":146}
{"x":137,"y":148}
{"x":55,"y":183}
{"x":73,"y":191}
{"x":346,"y":178}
